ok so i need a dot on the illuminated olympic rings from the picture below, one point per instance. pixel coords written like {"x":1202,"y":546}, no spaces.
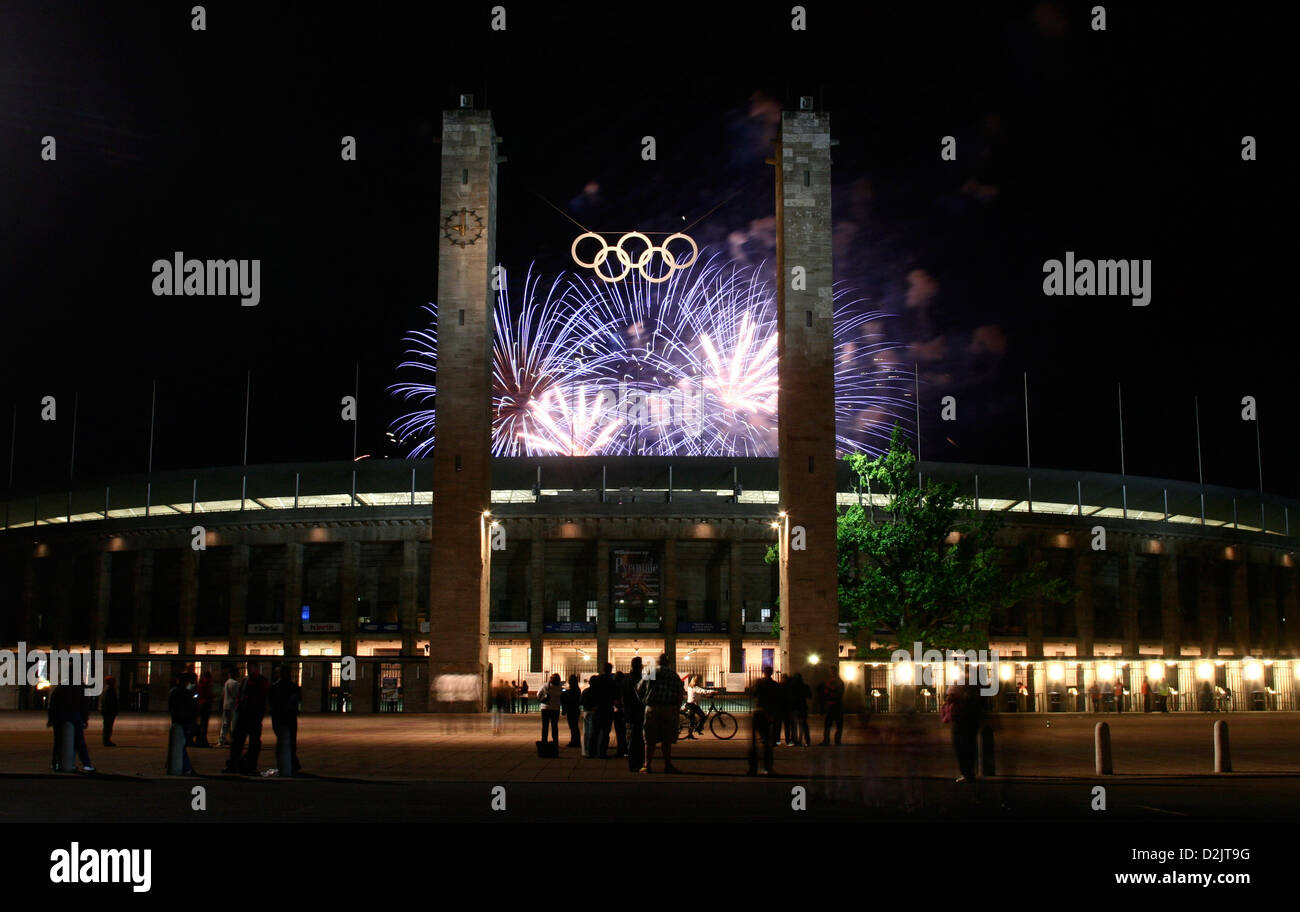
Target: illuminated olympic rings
{"x":641,"y":262}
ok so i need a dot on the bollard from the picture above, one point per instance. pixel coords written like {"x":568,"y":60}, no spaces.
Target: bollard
{"x":176,"y":750}
{"x":67,"y":748}
{"x":1222,"y":756}
{"x":284,"y":752}
{"x":987,"y":765}
{"x":1102,"y":741}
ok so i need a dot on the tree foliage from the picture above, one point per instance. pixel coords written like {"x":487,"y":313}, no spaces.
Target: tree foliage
{"x":907,"y":578}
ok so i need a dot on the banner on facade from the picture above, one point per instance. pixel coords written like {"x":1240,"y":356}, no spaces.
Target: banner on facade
{"x":634,"y":576}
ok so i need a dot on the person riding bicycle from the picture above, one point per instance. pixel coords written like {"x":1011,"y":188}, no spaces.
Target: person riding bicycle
{"x":695,"y":715}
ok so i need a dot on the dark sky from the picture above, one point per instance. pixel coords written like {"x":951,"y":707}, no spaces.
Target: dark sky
{"x":225,"y":143}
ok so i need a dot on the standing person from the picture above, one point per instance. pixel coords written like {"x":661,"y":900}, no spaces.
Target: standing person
{"x":523,"y":696}
{"x":964,"y":710}
{"x":1207,"y":697}
{"x":571,"y":706}
{"x":1165,"y":692}
{"x":284,"y":697}
{"x":205,"y":708}
{"x":1119,"y":695}
{"x":229,"y":698}
{"x":1094,"y":696}
{"x":1146,"y":695}
{"x":766,"y":723}
{"x":182,"y":702}
{"x":634,"y":717}
{"x":549,"y":700}
{"x":787,"y":712}
{"x":833,"y":699}
{"x":250,"y":708}
{"x":694,"y":715}
{"x":605,"y":696}
{"x":588,"y":701}
{"x":620,"y":731}
{"x":108,"y":709}
{"x":800,"y":693}
{"x":662,"y":693}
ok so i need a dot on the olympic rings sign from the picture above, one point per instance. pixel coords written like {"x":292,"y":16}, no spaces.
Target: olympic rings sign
{"x":640,"y":262}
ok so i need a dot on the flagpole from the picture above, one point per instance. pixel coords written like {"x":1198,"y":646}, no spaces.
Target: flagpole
{"x":1122,"y":473}
{"x":916,"y":374}
{"x":153,"y":412}
{"x":1200,"y":475}
{"x":1259,"y":456}
{"x":1029,"y":468}
{"x":13,"y":441}
{"x":72,"y":458}
{"x":248,"y":393}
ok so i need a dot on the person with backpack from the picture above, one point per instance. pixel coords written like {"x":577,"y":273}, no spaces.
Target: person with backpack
{"x":550,"y":699}
{"x":662,"y":693}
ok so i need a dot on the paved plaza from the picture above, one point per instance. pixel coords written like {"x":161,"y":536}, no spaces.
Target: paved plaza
{"x":423,"y":766}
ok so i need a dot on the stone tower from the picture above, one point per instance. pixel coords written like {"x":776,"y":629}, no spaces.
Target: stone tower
{"x":462,"y":467}
{"x":806,"y":400}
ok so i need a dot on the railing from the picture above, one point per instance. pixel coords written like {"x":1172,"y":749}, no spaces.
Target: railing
{"x":633,"y":481}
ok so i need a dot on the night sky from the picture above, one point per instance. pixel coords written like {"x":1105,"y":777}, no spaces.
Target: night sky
{"x":225,"y":144}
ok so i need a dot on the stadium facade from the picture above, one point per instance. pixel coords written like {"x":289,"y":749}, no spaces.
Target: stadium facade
{"x":601,"y":559}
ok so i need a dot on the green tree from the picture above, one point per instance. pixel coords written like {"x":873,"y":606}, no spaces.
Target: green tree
{"x":908,"y":579}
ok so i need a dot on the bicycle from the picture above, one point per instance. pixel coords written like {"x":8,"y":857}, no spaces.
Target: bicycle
{"x":723,"y":724}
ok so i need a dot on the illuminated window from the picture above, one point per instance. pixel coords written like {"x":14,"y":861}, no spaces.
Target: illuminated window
{"x":591,"y":611}
{"x":562,"y":610}
{"x":506,"y":661}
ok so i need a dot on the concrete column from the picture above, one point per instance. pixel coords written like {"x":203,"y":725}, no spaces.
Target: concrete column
{"x":668,"y":615}
{"x":1240,"y":607}
{"x":462,"y":469}
{"x":806,"y":396}
{"x":103,"y":565}
{"x":1128,"y":602}
{"x":63,"y":600}
{"x":349,"y":572}
{"x":1083,"y":612}
{"x":239,"y":569}
{"x":142,"y":602}
{"x":1291,"y":609}
{"x":1171,"y":621}
{"x":602,"y":604}
{"x":29,"y":603}
{"x":187,"y":605}
{"x":1034,"y":613}
{"x":536,"y":601}
{"x":407,"y":593}
{"x":1207,"y":602}
{"x":736,"y":627}
{"x":1267,"y":638}
{"x":293,"y":559}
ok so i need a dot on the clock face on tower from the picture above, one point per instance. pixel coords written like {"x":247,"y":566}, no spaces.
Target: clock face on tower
{"x":462,"y":227}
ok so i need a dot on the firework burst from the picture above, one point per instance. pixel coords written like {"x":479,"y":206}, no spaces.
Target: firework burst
{"x":687,"y":366}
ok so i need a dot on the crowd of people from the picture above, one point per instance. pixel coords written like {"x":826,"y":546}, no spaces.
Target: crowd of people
{"x":244,"y":705}
{"x":641,"y":710}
